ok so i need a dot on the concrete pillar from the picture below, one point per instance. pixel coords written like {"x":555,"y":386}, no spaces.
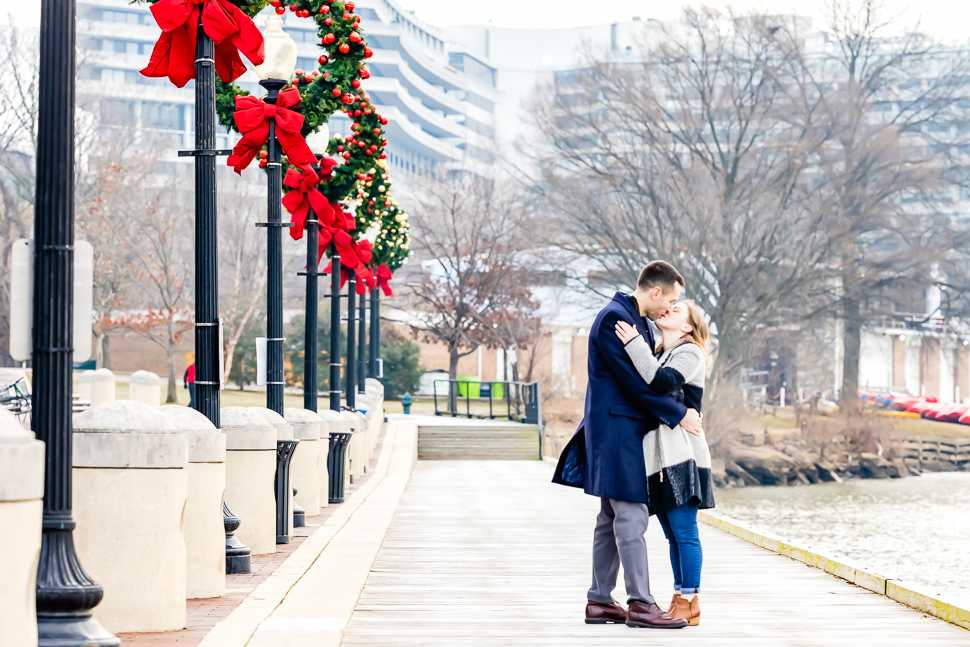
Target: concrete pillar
{"x":372,"y":385}
{"x":204,"y":532}
{"x":21,"y":511}
{"x":284,"y":431}
{"x":305,"y":467}
{"x":250,"y":470}
{"x":146,"y":387}
{"x":333,"y":423}
{"x":97,"y":386}
{"x":356,"y":451}
{"x":129,"y":492}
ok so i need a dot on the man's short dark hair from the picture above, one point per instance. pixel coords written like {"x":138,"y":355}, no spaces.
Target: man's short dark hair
{"x":659,"y":274}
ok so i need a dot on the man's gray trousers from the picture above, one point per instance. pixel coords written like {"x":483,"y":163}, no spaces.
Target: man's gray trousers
{"x":619,"y":539}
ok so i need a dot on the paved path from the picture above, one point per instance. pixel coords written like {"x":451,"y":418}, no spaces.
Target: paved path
{"x":490,"y":553}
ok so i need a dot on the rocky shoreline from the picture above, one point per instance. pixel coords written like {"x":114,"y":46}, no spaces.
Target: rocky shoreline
{"x":783,"y":457}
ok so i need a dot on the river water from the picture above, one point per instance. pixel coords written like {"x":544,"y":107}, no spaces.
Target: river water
{"x":915,"y":529}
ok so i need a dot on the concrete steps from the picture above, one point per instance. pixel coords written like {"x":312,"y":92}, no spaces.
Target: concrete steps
{"x":488,"y":441}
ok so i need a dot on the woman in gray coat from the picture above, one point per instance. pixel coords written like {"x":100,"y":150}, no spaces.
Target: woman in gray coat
{"x":678,"y":464}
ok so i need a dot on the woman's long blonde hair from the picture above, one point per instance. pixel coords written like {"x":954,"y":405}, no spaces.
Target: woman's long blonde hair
{"x":699,"y":330}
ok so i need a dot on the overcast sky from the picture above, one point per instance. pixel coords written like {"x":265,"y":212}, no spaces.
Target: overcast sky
{"x":944,"y":19}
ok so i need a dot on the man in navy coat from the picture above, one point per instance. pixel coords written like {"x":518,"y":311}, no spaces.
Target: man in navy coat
{"x":605,"y":457}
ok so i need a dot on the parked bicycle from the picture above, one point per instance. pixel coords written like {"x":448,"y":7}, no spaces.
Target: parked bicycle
{"x":15,"y":398}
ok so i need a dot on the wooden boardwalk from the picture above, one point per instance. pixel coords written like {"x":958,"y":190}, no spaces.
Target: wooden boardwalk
{"x":490,"y":553}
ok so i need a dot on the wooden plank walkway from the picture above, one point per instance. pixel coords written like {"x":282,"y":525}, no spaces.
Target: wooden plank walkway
{"x":490,"y":553}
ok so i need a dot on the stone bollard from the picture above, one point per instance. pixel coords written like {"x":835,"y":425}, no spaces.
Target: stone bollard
{"x":129,"y":492}
{"x":97,"y":386}
{"x":250,"y":472}
{"x":146,"y":387}
{"x":21,"y":512}
{"x":305,"y":468}
{"x":356,"y":451}
{"x":204,"y":532}
{"x":284,"y":431}
{"x":365,"y":406}
{"x":372,"y":385}
{"x":102,"y":387}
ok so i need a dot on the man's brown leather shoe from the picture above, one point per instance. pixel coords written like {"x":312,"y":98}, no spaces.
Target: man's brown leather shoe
{"x":641,"y":614}
{"x":598,"y":613}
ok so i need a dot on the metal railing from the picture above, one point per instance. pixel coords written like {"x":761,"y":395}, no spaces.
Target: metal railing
{"x":518,"y":401}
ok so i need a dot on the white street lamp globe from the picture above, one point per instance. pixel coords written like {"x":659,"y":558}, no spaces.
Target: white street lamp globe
{"x":280,"y":58}
{"x":318,"y":141}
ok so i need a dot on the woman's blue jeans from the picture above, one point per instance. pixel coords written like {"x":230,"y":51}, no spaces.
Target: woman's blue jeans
{"x":680,"y":527}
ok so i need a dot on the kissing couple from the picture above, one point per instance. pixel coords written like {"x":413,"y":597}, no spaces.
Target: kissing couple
{"x":641,"y":448}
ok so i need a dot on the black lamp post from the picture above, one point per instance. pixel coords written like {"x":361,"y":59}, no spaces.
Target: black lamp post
{"x":351,"y":343}
{"x":362,"y":351}
{"x":375,"y":333}
{"x":208,"y":352}
{"x":334,"y":328}
{"x":274,"y":259}
{"x":65,"y":593}
{"x":310,"y":341}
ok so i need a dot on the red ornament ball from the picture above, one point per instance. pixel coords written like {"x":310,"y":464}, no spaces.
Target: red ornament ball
{"x":328,"y":21}
{"x":368,"y":52}
{"x":323,"y":59}
{"x":275,"y":3}
{"x":330,"y":38}
{"x":356,"y":113}
{"x":293,"y":8}
{"x":369,"y":151}
{"x":344,"y":48}
{"x":371,"y":202}
{"x":339,"y":148}
{"x":354,"y":37}
{"x":281,"y":10}
{"x":263,"y":154}
{"x":383,"y":156}
{"x":347,"y":155}
{"x":361,"y":144}
{"x":350,"y":6}
{"x":387,"y":203}
{"x":298,"y":72}
{"x":346,"y":16}
{"x":384,"y":120}
{"x":356,"y":25}
{"x":262,"y":163}
{"x":324,"y":9}
{"x":337,"y":92}
{"x":355,"y":83}
{"x":377,"y":131}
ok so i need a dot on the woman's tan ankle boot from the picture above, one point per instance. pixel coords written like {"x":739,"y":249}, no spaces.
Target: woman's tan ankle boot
{"x":673,"y":601}
{"x":688,"y":610}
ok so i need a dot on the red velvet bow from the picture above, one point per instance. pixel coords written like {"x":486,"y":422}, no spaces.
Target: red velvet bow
{"x":364,"y":276}
{"x":383,"y":276}
{"x":252,"y":117}
{"x":302,"y":196}
{"x":230,"y":29}
{"x":344,"y":244}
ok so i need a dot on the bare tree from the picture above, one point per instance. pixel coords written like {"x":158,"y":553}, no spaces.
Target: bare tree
{"x":161,"y":309}
{"x":684,"y":153}
{"x":243,"y":263}
{"x":890,"y":110}
{"x":466,"y":234}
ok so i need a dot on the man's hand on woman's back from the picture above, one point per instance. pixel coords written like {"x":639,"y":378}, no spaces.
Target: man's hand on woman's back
{"x":692,"y":422}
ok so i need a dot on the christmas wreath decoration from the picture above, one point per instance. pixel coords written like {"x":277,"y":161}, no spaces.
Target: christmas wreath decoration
{"x":360,"y":183}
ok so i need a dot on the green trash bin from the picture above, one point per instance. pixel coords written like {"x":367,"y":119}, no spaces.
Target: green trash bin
{"x":498,"y":390}
{"x":469,"y":386}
